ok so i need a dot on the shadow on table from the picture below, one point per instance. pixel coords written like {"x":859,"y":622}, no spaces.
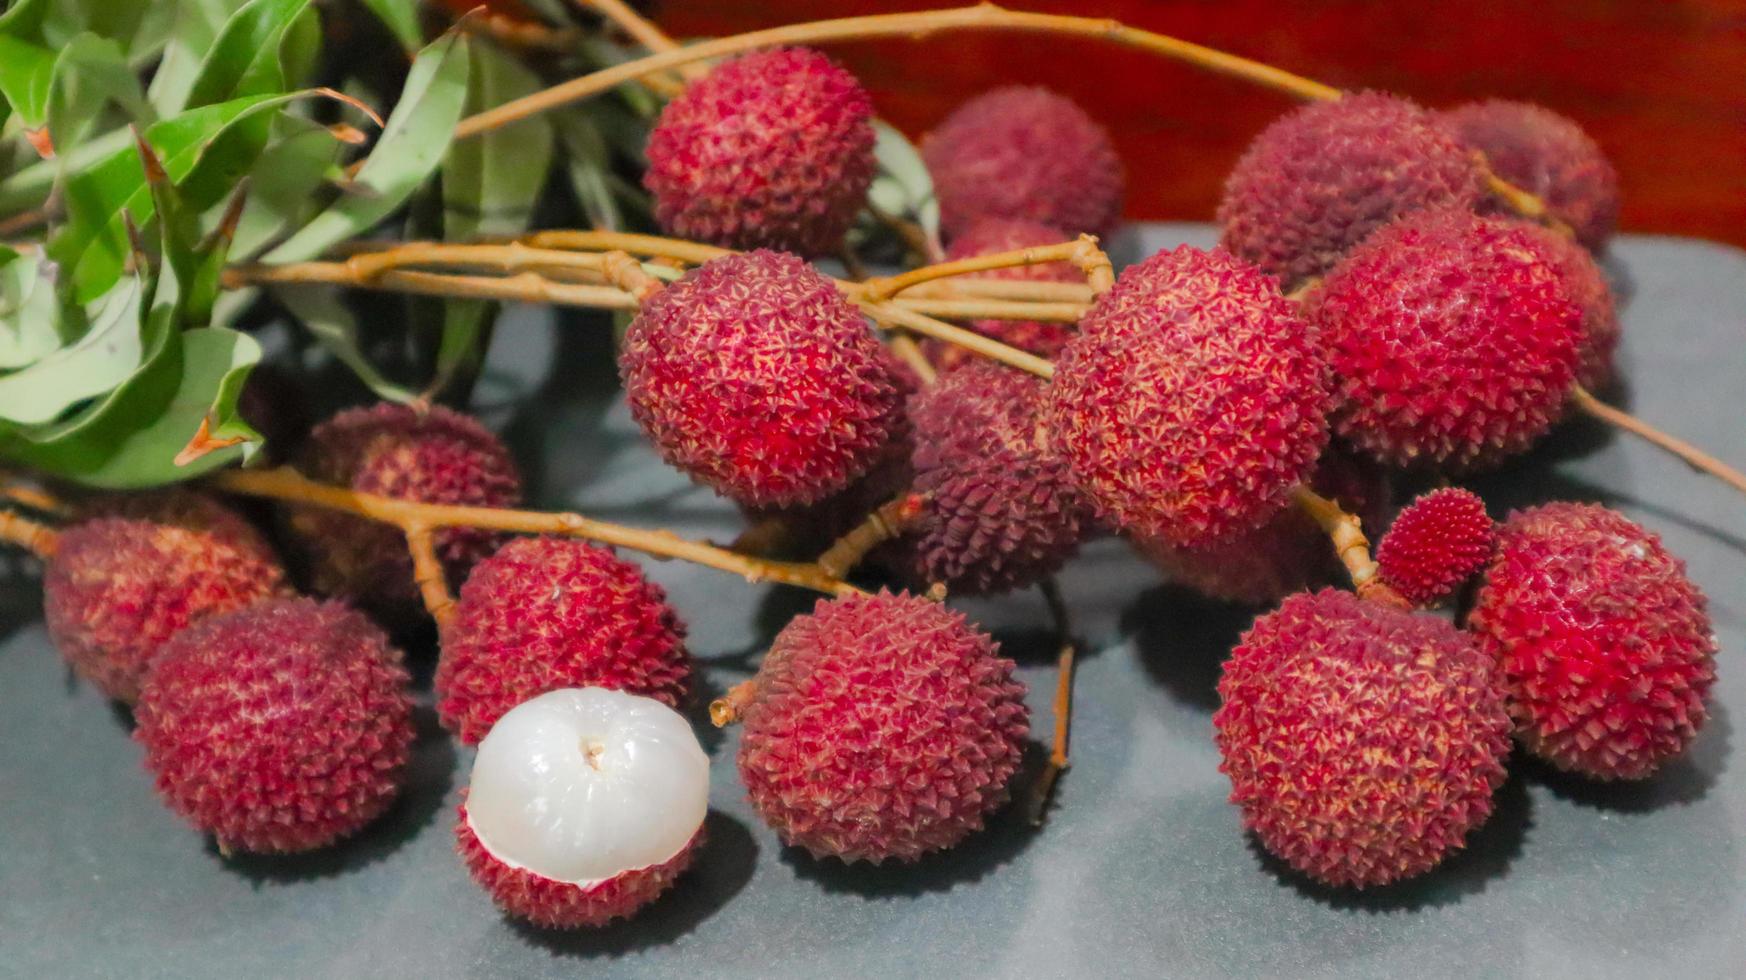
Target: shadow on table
{"x":1183,"y":638}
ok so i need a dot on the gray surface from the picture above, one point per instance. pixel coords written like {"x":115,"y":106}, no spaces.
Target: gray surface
{"x":1142,"y":869}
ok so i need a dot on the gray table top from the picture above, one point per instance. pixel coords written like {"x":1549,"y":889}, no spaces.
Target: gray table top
{"x":1142,"y":868}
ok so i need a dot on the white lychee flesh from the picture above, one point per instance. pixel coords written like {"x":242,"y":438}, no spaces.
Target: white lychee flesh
{"x":583,"y":784}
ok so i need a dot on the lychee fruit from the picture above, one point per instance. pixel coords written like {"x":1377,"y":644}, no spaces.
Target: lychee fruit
{"x":1547,"y":155}
{"x":1193,"y":400}
{"x":1363,"y":741}
{"x":126,"y":580}
{"x":1024,"y":152}
{"x":1453,"y":341}
{"x":1586,"y":284}
{"x":549,"y":613}
{"x":1318,"y":181}
{"x":1605,"y":644}
{"x":280,"y":727}
{"x":755,"y":376}
{"x":880,"y":727}
{"x":434,"y":455}
{"x":584,"y":807}
{"x":773,"y":149}
{"x":1437,"y":543}
{"x":986,"y":236}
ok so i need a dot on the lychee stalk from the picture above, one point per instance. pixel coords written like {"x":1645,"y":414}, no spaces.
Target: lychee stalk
{"x":1691,"y":455}
{"x":1353,"y":548}
{"x":35,"y":537}
{"x":1082,"y":252}
{"x":427,"y":572}
{"x":1057,"y":762}
{"x":885,"y":523}
{"x":642,"y":31}
{"x":891,"y":315}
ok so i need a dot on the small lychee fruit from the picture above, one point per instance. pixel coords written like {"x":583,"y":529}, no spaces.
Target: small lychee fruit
{"x":756,"y":377}
{"x":773,"y":149}
{"x":986,"y":236}
{"x":1438,"y":542}
{"x":1318,"y":181}
{"x":1605,"y":645}
{"x":549,"y":613}
{"x":126,"y":580}
{"x":1193,"y":400}
{"x":1024,"y":152}
{"x":1453,"y":341}
{"x":1548,"y":155}
{"x":280,"y":727}
{"x":1586,"y":284}
{"x":584,"y":807}
{"x":880,"y":727}
{"x":1363,"y":742}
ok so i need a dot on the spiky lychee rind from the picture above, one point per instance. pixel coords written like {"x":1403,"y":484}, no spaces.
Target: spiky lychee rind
{"x":1453,"y":341}
{"x":1024,"y":152}
{"x":773,"y":149}
{"x":756,"y":377}
{"x":986,"y":236}
{"x":281,"y":727}
{"x":123,"y":583}
{"x":560,"y":904}
{"x":882,"y":727}
{"x":1605,"y":644}
{"x":550,"y":613}
{"x":434,"y":455}
{"x":1586,"y":284}
{"x":1548,"y":155}
{"x":1192,"y":401}
{"x":1318,"y":181}
{"x":1363,"y":742}
{"x":1438,"y":542}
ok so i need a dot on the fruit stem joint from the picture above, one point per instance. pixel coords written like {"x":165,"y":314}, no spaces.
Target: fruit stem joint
{"x":1350,"y":544}
{"x":730,"y":707}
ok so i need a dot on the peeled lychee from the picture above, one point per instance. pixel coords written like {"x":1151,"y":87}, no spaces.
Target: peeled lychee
{"x":1548,"y":155}
{"x":986,"y":236}
{"x":434,"y":456}
{"x":1438,"y":542}
{"x":1363,"y":742}
{"x":1452,"y":339}
{"x":122,"y":583}
{"x":549,"y":613}
{"x":585,"y":805}
{"x":1586,"y":285}
{"x":773,"y":149}
{"x":1193,"y":400}
{"x":755,"y":376}
{"x":1028,"y":153}
{"x":281,"y":727}
{"x":1318,"y":181}
{"x":1605,"y":644}
{"x":880,"y":726}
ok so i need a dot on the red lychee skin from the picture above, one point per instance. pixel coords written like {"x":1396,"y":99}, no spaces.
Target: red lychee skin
{"x":754,"y":376}
{"x":1318,"y":181}
{"x":121,"y":584}
{"x":986,"y":236}
{"x":773,"y":149}
{"x":1363,"y":742}
{"x":1587,"y":286}
{"x":436,"y":456}
{"x":882,"y":727}
{"x":1605,"y":644}
{"x":1436,"y":543}
{"x":1453,"y":341}
{"x":559,"y":904}
{"x":281,"y":727}
{"x":1193,"y":400}
{"x":550,"y":613}
{"x":1028,"y":153}
{"x":1548,"y":155}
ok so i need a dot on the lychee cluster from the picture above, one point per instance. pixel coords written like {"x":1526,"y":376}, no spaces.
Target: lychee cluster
{"x":1605,"y":644}
{"x":986,"y":236}
{"x":1438,"y":542}
{"x":1547,"y":155}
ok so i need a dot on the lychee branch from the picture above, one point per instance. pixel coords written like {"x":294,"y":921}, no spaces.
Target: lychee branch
{"x":887,"y":523}
{"x":1350,"y":544}
{"x":1064,"y":667}
{"x":427,"y":572}
{"x":1082,"y":253}
{"x":892,"y":315}
{"x":641,"y":31}
{"x":1691,"y":455}
{"x":33,"y":536}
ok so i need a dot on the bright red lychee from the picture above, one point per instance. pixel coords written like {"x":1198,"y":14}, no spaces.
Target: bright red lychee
{"x":1586,"y":284}
{"x":550,"y":613}
{"x":1028,"y":153}
{"x":1605,"y":644}
{"x":125,"y":581}
{"x":1193,"y":400}
{"x":1318,"y":181}
{"x":1438,"y":542}
{"x":986,"y":236}
{"x":773,"y":149}
{"x":1363,"y":742}
{"x":880,"y":727}
{"x":1548,"y":155}
{"x":1453,"y":341}
{"x":281,"y":727}
{"x":757,"y":378}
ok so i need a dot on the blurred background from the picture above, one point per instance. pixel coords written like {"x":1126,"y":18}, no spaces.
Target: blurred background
{"x":1661,"y":85}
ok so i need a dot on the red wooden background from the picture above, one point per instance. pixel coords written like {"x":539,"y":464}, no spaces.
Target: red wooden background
{"x":1661,"y":85}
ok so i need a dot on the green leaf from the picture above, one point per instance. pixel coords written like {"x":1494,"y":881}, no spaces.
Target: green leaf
{"x":196,"y":28}
{"x":29,"y":309}
{"x":244,"y":60}
{"x":401,"y":16}
{"x":284,"y":182}
{"x":26,"y":71}
{"x":902,"y":185}
{"x":334,"y":327}
{"x":105,"y":357}
{"x":588,"y":164}
{"x":90,"y":73}
{"x":490,"y":182}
